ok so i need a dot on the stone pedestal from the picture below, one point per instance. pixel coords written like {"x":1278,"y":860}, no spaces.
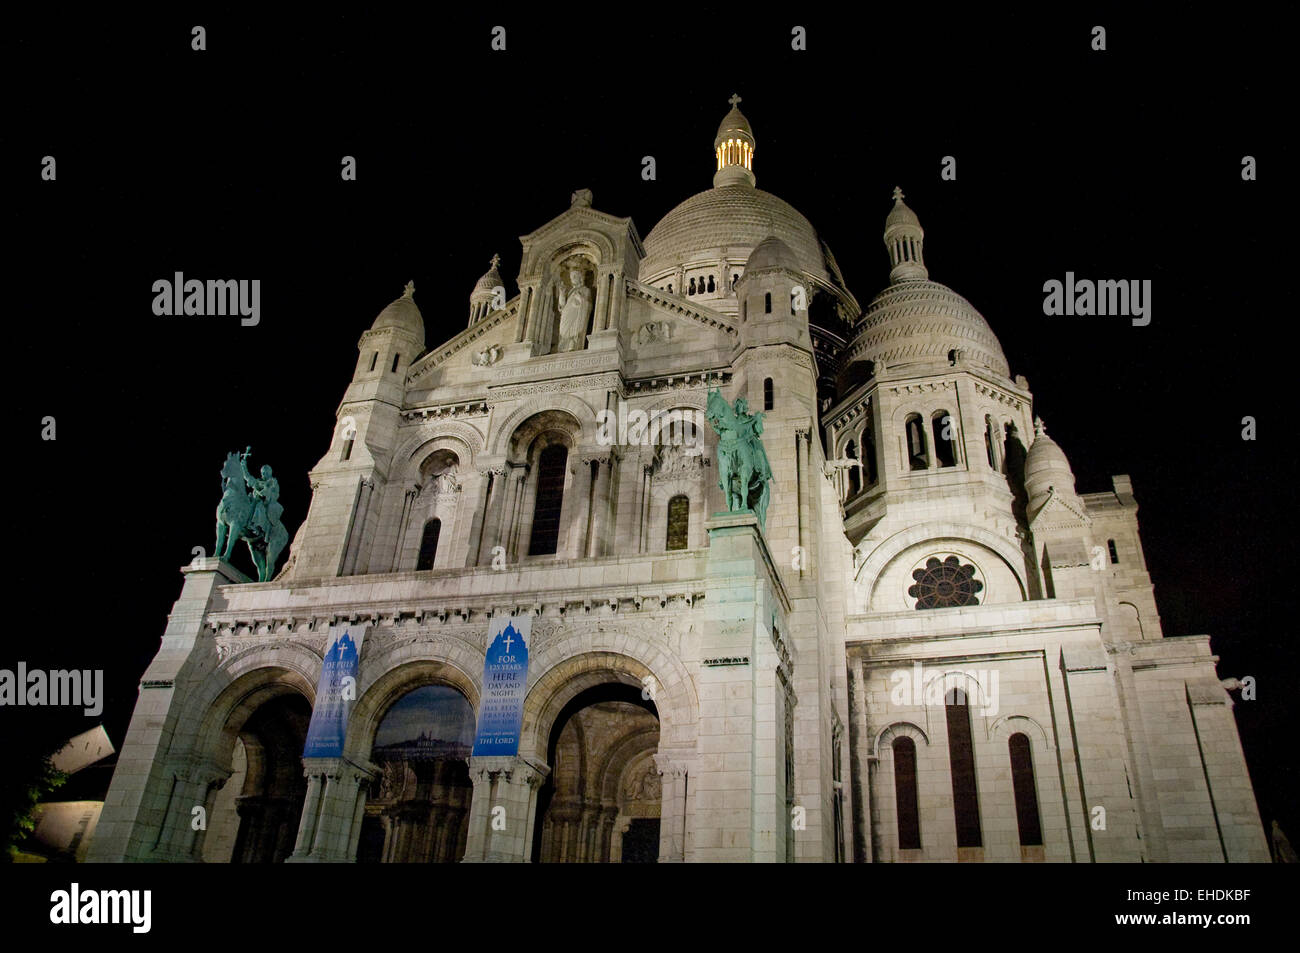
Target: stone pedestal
{"x":737,"y":791}
{"x":142,"y":818}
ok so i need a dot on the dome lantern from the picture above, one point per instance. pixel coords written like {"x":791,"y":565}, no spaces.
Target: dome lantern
{"x":484,"y":293}
{"x":733,"y":149}
{"x":904,"y":237}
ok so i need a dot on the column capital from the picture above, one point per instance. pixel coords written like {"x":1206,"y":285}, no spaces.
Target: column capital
{"x":514,"y":769}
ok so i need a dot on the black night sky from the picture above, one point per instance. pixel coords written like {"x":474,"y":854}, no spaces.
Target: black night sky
{"x":225,"y":164}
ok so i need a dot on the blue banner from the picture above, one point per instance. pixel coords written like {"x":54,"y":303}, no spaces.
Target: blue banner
{"x":505,"y":681}
{"x":335,"y":693}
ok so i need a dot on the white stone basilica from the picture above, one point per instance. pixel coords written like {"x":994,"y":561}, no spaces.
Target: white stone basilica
{"x":936,"y":649}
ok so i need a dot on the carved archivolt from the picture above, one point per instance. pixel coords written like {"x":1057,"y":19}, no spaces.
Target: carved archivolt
{"x":468,"y":437}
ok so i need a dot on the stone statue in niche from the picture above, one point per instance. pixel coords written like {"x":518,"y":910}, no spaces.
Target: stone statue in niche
{"x":444,"y":481}
{"x":575,"y":311}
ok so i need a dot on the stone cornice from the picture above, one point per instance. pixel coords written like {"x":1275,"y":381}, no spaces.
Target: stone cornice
{"x":706,"y":317}
{"x":462,"y":340}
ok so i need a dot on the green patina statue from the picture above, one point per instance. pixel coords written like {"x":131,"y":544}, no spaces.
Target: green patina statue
{"x":743,"y":470}
{"x":250,"y":510}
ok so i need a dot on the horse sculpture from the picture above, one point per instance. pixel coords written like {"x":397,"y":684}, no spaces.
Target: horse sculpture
{"x":250,"y":510}
{"x":743,"y":469}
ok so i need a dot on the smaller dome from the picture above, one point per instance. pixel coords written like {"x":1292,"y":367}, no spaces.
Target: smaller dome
{"x":772,"y":253}
{"x":402,"y":315}
{"x":491,"y":280}
{"x":734,"y":122}
{"x":900,"y":214}
{"x":1046,"y":466}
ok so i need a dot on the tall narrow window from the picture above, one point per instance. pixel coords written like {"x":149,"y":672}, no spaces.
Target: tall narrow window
{"x":990,"y":442}
{"x":679,"y":517}
{"x":396,"y":358}
{"x":869,"y":451}
{"x":769,"y":397}
{"x":374,"y":359}
{"x":711,"y":285}
{"x":551,"y":465}
{"x":734,"y":279}
{"x":909,"y":818}
{"x":945,"y":438}
{"x":916,"y":458}
{"x":429,"y":544}
{"x":347,"y":449}
{"x":855,"y":477}
{"x":1114,"y":553}
{"x":961,"y":759}
{"x":1022,"y":783}
{"x":767,"y":303}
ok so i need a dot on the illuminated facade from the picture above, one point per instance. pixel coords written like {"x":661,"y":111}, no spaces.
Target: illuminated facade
{"x":936,"y":649}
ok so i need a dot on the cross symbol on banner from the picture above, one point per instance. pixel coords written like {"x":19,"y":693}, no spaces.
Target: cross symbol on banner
{"x":508,"y":640}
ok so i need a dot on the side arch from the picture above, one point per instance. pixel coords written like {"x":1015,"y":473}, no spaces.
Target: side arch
{"x":937,"y":532}
{"x":499,"y":440}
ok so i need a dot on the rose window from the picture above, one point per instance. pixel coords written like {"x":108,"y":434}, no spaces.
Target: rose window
{"x":942,"y":585}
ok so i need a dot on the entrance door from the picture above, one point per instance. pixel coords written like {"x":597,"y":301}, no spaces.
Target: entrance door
{"x":641,"y":842}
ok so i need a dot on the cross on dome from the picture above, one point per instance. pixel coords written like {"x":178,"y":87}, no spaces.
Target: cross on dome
{"x":898,"y":194}
{"x":496,"y":260}
{"x":734,"y":100}
{"x":409,"y":291}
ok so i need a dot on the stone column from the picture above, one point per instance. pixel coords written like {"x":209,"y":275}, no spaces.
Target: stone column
{"x":514,"y":484}
{"x":674,"y":772}
{"x":329,"y":834}
{"x":510,"y":783}
{"x":575,"y":510}
{"x":194,"y":785}
{"x":600,"y":528}
{"x":492,"y":519}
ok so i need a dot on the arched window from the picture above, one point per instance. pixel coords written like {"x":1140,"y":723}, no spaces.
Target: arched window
{"x":855,"y":477}
{"x":1022,"y":783}
{"x":692,"y":288}
{"x":711,"y":288}
{"x":374,"y":358}
{"x":429,"y":544}
{"x":915,"y":430}
{"x":551,"y":465}
{"x":734,"y":279}
{"x":794,"y":296}
{"x":945,"y":438}
{"x":1114,"y":553}
{"x":990,"y":442}
{"x":961,"y":759}
{"x":769,"y":397}
{"x":767,"y":303}
{"x":679,"y":516}
{"x":396,"y":358}
{"x":909,"y":817}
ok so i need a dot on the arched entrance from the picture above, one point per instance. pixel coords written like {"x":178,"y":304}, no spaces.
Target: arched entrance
{"x":601,"y":801}
{"x":418,"y":808}
{"x":255,"y":816}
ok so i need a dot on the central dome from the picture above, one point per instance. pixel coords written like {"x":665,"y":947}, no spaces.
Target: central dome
{"x":730,"y":222}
